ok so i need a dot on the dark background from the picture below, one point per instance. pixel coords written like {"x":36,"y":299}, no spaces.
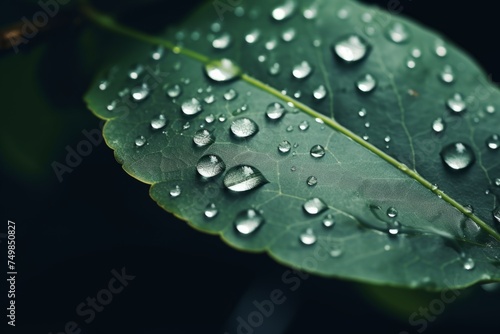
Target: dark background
{"x":71,"y":234}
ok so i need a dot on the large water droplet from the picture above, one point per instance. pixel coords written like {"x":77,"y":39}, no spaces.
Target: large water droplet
{"x":252,"y":36}
{"x":173,"y":91}
{"x":175,"y":191}
{"x":222,"y":70}
{"x":284,"y":11}
{"x":398,"y":33}
{"x":314,"y":206}
{"x":351,"y":48}
{"x":248,"y":221}
{"x":140,"y":141}
{"x":243,"y":178}
{"x":275,"y":111}
{"x":302,"y":70}
{"x":438,"y":125}
{"x":456,"y":103}
{"x":244,"y":128}
{"x":308,"y":238}
{"x":317,"y":151}
{"x":210,"y":165}
{"x":392,"y":212}
{"x":140,"y":93}
{"x":158,"y":122}
{"x":493,"y":142}
{"x":458,"y":156}
{"x":447,"y":75}
{"x":328,"y":221}
{"x":284,"y":146}
{"x":366,"y":83}
{"x":320,"y":92}
{"x":203,"y":138}
{"x":191,"y":107}
{"x":211,"y":210}
{"x":469,"y":264}
{"x":222,"y":41}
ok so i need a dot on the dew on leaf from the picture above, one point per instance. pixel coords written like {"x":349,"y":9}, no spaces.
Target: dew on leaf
{"x":211,"y":211}
{"x":392,"y":212}
{"x":209,"y":99}
{"x":317,"y":151}
{"x":351,"y":48}
{"x":312,"y":181}
{"x":248,"y":221}
{"x":440,"y":48}
{"x":398,"y":33}
{"x":203,"y":138}
{"x":191,"y":107}
{"x":222,"y":42}
{"x":210,"y":119}
{"x":244,"y":127}
{"x":310,"y":13}
{"x":158,"y":122}
{"x":319,"y":93}
{"x":243,"y":178}
{"x":314,"y":206}
{"x":416,"y":53}
{"x":411,"y":63}
{"x":328,"y":221}
{"x":210,"y":165}
{"x":111,"y":106}
{"x":284,"y":11}
{"x":275,"y":111}
{"x":288,"y":35}
{"x":173,"y":91}
{"x":284,"y":146}
{"x":139,"y":93}
{"x":274,"y":69}
{"x":447,"y":75}
{"x":158,"y":52}
{"x":457,"y":156}
{"x":140,"y":141}
{"x":362,"y":112}
{"x":175,"y":191}
{"x":252,"y":36}
{"x":135,"y":71}
{"x":490,"y":109}
{"x":493,"y":142}
{"x":308,"y":237}
{"x":438,"y":125}
{"x":304,"y":125}
{"x":230,"y":95}
{"x":271,"y":44}
{"x":222,"y":70}
{"x":103,"y":85}
{"x":366,"y":83}
{"x":456,"y":103}
{"x":302,"y":70}
{"x":469,"y":264}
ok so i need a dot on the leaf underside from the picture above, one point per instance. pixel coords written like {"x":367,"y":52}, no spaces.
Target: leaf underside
{"x":436,"y":245}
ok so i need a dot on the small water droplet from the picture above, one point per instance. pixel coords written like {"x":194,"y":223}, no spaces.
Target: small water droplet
{"x":191,"y":107}
{"x":447,"y":75}
{"x":312,"y":181}
{"x":210,"y":165}
{"x":362,"y":112}
{"x":440,"y":48}
{"x":252,"y":36}
{"x":496,"y":214}
{"x":398,"y":33}
{"x":328,"y":221}
{"x":411,"y":63}
{"x":248,"y":221}
{"x":392,"y":212}
{"x":288,"y":35}
{"x":173,"y":91}
{"x":139,"y":93}
{"x":343,"y":13}
{"x":158,"y":122}
{"x":493,"y":142}
{"x":186,"y":126}
{"x":103,"y":85}
{"x":244,"y":128}
{"x":203,"y":138}
{"x":497,"y":181}
{"x":469,"y":264}
{"x":302,"y":70}
{"x":387,"y":139}
{"x":284,"y":11}
{"x":351,"y":48}
{"x":209,"y":99}
{"x":469,"y":208}
{"x":210,"y":119}
{"x":289,"y":128}
{"x":211,"y":210}
{"x":310,"y":13}
{"x":271,"y":44}
{"x":438,"y":125}
{"x":230,"y":95}
{"x":456,"y":103}
{"x":416,"y":53}
{"x":387,"y":247}
{"x":158,"y":52}
{"x":135,"y":71}
{"x":274,"y":69}
{"x":175,"y":191}
{"x":317,"y":151}
{"x":308,"y":238}
{"x":458,"y":156}
{"x":222,"y":118}
{"x":284,"y":146}
{"x":222,"y":70}
{"x":275,"y":111}
{"x":222,"y":42}
{"x":216,"y":27}
{"x":366,"y":83}
{"x":293,"y":168}
{"x":314,"y":206}
{"x":304,"y":125}
{"x":394,"y":227}
{"x":140,"y":141}
{"x":243,"y":178}
{"x":366,"y":137}
{"x":319,"y":93}
{"x":112,"y":105}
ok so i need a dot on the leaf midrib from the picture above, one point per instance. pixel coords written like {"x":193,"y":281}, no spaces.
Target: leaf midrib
{"x":109,"y":23}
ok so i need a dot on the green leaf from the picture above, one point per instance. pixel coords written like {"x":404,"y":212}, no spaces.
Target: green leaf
{"x":375,"y":201}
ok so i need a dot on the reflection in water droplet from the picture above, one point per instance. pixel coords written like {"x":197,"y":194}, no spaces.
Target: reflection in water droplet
{"x":394,"y":227}
{"x":398,"y":33}
{"x":416,"y":53}
{"x":158,"y":52}
{"x":203,"y":138}
{"x":248,"y":221}
{"x":275,"y":110}
{"x":210,"y":165}
{"x":191,"y":107}
{"x":440,"y":48}
{"x":308,"y":238}
{"x":230,"y":95}
{"x":366,"y":83}
{"x":243,"y":178}
{"x":103,"y":85}
{"x":320,"y":92}
{"x":284,"y":146}
{"x":252,"y":36}
{"x":222,"y":41}
{"x":490,"y":109}
{"x":210,"y":119}
{"x":447,"y":75}
{"x":140,"y":141}
{"x":336,"y":250}
{"x":302,"y":70}
{"x":456,"y":103}
{"x":328,"y":221}
{"x":411,"y":63}
{"x":112,"y":105}
{"x":392,"y":212}
{"x":387,"y":139}
{"x":244,"y":128}
{"x":158,"y":122}
{"x":493,"y":142}
{"x":135,"y":71}
{"x":211,"y":210}
{"x":139,"y":93}
{"x":284,"y":11}
{"x":469,"y":264}
{"x":173,"y":91}
{"x":497,"y":182}
{"x":222,"y":70}
{"x":362,"y":112}
{"x":310,"y":13}
{"x":317,"y":151}
{"x":312,"y":181}
{"x":175,"y":191}
{"x":438,"y":125}
{"x":304,"y":125}
{"x":351,"y":48}
{"x":458,"y":156}
{"x":314,"y":206}
{"x":222,"y":118}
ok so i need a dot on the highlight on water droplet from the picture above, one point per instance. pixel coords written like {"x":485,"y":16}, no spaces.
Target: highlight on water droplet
{"x":303,"y":126}
{"x":366,"y":83}
{"x":230,"y":95}
{"x":210,"y":165}
{"x":314,"y":206}
{"x":284,"y":11}
{"x":175,"y":191}
{"x":351,"y":48}
{"x":328,"y":221}
{"x":203,"y":137}
{"x":458,"y":156}
{"x":173,"y":91}
{"x":191,"y":107}
{"x":222,"y":42}
{"x":398,"y":32}
{"x":312,"y":181}
{"x":308,"y":237}
{"x":447,"y":75}
{"x":392,"y":212}
{"x":158,"y":122}
{"x":317,"y":151}
{"x":244,"y":128}
{"x":320,"y":92}
{"x":222,"y":70}
{"x":139,"y":93}
{"x":456,"y":103}
{"x":284,"y":146}
{"x":438,"y":125}
{"x":140,"y":141}
{"x":469,"y":264}
{"x":493,"y":142}
{"x":302,"y":70}
{"x":248,"y":221}
{"x":275,"y":111}
{"x":210,"y":211}
{"x":243,"y":178}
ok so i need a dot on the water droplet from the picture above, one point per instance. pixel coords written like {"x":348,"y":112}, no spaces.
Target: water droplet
{"x":308,"y":238}
{"x":319,"y":93}
{"x":490,"y":109}
{"x":175,"y":191}
{"x":203,"y":138}
{"x":135,"y":71}
{"x":416,"y":53}
{"x":317,"y":151}
{"x":211,"y":210}
{"x":328,"y":221}
{"x":304,"y":125}
{"x":293,"y":168}
{"x":243,"y":178}
{"x":112,"y":105}
{"x":284,"y":11}
{"x":310,"y":13}
{"x":288,"y":35}
{"x":394,"y":227}
{"x":248,"y":221}
{"x":362,"y":112}
{"x":447,"y":75}
{"x":469,"y":264}
{"x":230,"y":95}
{"x":139,"y":93}
{"x":244,"y":128}
{"x":158,"y":122}
{"x":271,"y":44}
{"x":186,"y":126}
{"x":302,"y":70}
{"x":456,"y":103}
{"x":209,"y":99}
{"x":210,"y":119}
{"x":392,"y":212}
{"x":352,"y":48}
{"x":103,"y":85}
{"x":343,"y":13}
{"x":173,"y":91}
{"x":497,"y":181}
{"x":158,"y":52}
{"x":440,"y":48}
{"x":493,"y":142}
{"x":458,"y":156}
{"x":366,"y":83}
{"x":411,"y":63}
{"x":366,"y":137}
{"x":222,"y":118}
{"x":252,"y":36}
{"x":336,"y":250}
{"x":312,"y":181}
{"x":191,"y":107}
{"x":314,"y":206}
{"x":274,"y":69}
{"x":496,"y":214}
{"x":222,"y":70}
{"x":289,"y":128}
{"x":469,"y":208}
{"x":210,"y":165}
{"x":140,"y":141}
{"x":275,"y":111}
{"x":398,"y":33}
{"x":387,"y":139}
{"x":284,"y":146}
{"x":438,"y":125}
{"x":222,"y":41}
